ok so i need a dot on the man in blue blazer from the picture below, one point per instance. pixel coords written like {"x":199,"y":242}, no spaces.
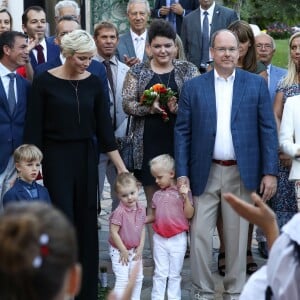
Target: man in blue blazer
{"x":132,"y":44}
{"x":179,"y":8}
{"x":65,"y":25}
{"x":265,"y":49}
{"x":13,"y":54}
{"x":219,"y":17}
{"x":34,"y":25}
{"x":225,"y":141}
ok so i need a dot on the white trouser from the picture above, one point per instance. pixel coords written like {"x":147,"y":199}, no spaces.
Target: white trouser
{"x":122,"y":273}
{"x":168,"y":254}
{"x":7,"y":178}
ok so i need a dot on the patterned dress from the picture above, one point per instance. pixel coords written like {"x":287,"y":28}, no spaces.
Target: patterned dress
{"x":284,"y":203}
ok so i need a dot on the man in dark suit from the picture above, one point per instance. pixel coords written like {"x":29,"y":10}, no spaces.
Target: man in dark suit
{"x":225,"y":141}
{"x":13,"y":97}
{"x":174,"y":11}
{"x":132,"y":44}
{"x":219,"y":17}
{"x":67,"y":24}
{"x":34,"y":25}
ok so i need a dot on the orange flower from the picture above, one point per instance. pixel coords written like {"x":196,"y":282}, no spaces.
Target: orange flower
{"x":164,"y":93}
{"x":157,"y":87}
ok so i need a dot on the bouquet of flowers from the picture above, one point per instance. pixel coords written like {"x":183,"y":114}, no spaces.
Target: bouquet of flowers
{"x":164,"y":93}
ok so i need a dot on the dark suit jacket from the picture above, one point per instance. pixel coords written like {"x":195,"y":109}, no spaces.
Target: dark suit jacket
{"x":253,"y":130}
{"x":18,"y":193}
{"x":191,"y":32}
{"x":52,"y":52}
{"x":95,"y":68}
{"x":125,"y":46}
{"x":11,"y":126}
{"x":188,"y":5}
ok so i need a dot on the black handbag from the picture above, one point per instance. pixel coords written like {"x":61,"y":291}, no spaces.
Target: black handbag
{"x":125,"y":147}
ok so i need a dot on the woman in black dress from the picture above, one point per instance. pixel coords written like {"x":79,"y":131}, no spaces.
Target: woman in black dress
{"x":68,"y":117}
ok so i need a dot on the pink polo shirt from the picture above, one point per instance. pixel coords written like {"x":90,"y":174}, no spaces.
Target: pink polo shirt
{"x":131,"y":222}
{"x":169,"y":216}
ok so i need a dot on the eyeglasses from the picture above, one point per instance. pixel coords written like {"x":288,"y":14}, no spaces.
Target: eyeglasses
{"x":223,"y":50}
{"x":266,"y":46}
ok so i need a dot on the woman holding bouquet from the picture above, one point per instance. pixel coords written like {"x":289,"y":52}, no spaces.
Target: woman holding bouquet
{"x":153,"y":120}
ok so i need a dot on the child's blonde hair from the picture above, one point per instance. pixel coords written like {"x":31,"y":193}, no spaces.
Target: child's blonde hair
{"x":124,"y":179}
{"x":164,"y":161}
{"x":28,"y":153}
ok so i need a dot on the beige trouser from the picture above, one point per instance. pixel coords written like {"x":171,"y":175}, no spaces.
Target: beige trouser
{"x":221,"y":179}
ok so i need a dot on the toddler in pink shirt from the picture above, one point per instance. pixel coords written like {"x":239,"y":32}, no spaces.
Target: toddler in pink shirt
{"x":127,"y":235}
{"x":171,"y":210}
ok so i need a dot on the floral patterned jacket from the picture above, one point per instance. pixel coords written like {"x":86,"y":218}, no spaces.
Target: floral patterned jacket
{"x":136,"y":80}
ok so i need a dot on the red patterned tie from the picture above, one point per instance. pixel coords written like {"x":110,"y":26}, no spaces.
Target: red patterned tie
{"x":40,"y":54}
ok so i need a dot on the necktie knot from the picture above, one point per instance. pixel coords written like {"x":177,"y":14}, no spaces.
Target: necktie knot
{"x":106,"y":63}
{"x":39,"y":47}
{"x":205,"y":13}
{"x":11,"y":76}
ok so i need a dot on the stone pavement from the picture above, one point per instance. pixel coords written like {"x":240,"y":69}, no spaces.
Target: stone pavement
{"x":148,"y":270}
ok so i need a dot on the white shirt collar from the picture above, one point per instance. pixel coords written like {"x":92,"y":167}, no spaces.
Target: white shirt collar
{"x":4,"y":70}
{"x":217,"y":76}
{"x":134,"y":35}
{"x":210,"y":10}
{"x":100,"y":58}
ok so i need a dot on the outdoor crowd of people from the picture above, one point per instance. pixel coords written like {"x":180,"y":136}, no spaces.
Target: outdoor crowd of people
{"x":213,"y":126}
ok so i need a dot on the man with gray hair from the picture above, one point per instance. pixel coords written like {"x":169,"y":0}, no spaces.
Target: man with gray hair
{"x":265,"y":49}
{"x":132,"y":44}
{"x":67,"y":8}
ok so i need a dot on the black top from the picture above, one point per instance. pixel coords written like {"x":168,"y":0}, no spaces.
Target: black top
{"x":56,"y":111}
{"x":158,"y":135}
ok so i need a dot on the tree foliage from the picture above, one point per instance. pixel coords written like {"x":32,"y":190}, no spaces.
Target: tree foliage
{"x":264,"y":12}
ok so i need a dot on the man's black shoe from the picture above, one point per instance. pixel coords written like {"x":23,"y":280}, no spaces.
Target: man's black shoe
{"x":263,"y":249}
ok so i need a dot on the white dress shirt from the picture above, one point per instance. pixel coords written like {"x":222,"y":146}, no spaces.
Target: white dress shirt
{"x":44,"y":45}
{"x":5,"y":80}
{"x":223,"y":149}
{"x":139,"y":42}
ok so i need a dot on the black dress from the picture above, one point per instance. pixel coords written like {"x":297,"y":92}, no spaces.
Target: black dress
{"x":158,"y":135}
{"x":66,"y":124}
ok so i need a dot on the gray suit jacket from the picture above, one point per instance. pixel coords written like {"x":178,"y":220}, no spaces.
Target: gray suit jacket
{"x":191,"y":33}
{"x":275,"y":74}
{"x":121,"y":117}
{"x":126,"y":47}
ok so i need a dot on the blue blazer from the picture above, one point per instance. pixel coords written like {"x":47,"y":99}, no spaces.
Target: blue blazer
{"x":187,"y":5}
{"x":18,"y":193}
{"x":11,"y":126}
{"x":52,"y":52}
{"x":95,"y":68}
{"x":125,"y":46}
{"x":191,"y":32}
{"x":253,"y":130}
{"x":275,"y":75}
